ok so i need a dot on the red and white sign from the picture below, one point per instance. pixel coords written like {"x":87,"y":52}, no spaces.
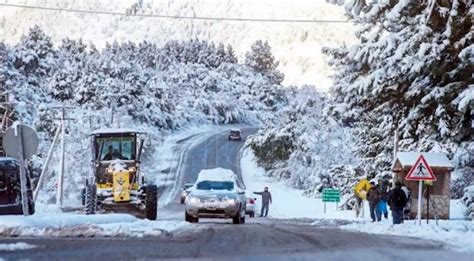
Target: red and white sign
{"x":421,"y":171}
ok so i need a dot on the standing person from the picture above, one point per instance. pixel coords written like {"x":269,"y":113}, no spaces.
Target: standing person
{"x":397,"y":200}
{"x":374,"y":196}
{"x":360,"y":191}
{"x":266,"y":200}
{"x":384,"y":187}
{"x":407,"y":208}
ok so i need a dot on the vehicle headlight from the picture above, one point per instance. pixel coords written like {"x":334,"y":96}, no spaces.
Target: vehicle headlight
{"x":194,"y":200}
{"x":232,"y":201}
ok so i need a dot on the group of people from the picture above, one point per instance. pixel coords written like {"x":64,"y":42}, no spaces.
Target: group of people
{"x":379,"y":195}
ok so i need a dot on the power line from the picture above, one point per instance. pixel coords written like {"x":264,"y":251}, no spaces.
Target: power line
{"x":229,"y":19}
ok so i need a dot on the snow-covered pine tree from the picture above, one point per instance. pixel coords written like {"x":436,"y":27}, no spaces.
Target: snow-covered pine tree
{"x":412,"y":70}
{"x":303,"y":146}
{"x":261,"y":59}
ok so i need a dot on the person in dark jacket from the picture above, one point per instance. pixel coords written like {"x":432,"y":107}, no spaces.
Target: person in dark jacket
{"x":397,"y":200}
{"x":374,"y":196}
{"x":384,"y":188}
{"x":266,"y":201}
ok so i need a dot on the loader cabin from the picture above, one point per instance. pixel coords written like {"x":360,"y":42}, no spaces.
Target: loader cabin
{"x":439,"y":191}
{"x":114,"y":144}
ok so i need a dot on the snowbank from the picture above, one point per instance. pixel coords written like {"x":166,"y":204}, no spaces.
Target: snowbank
{"x":62,"y":220}
{"x":76,"y":225}
{"x":16,"y":246}
{"x":458,"y":234}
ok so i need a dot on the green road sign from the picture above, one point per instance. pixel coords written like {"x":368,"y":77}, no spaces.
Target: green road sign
{"x":331,"y":195}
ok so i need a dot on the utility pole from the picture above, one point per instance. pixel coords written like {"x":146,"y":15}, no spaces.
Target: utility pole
{"x":113,"y":103}
{"x":5,"y":108}
{"x":63,"y":119}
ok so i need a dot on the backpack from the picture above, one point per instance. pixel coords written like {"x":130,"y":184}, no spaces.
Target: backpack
{"x":399,"y":199}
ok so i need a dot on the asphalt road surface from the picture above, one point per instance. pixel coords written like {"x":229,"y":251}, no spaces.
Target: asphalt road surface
{"x":258,"y":239}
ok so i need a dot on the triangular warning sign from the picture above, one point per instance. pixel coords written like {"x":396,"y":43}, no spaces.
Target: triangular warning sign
{"x":420,"y":171}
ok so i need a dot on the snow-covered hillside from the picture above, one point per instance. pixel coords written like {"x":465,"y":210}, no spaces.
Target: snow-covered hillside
{"x":296,"y":45}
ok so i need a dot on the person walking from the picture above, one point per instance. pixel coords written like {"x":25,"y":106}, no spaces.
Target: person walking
{"x":397,"y":200}
{"x":266,"y":201}
{"x":374,"y":196}
{"x":384,"y":188}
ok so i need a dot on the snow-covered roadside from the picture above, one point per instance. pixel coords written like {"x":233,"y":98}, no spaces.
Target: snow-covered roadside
{"x":76,"y":225}
{"x":458,"y":234}
{"x":290,"y":203}
{"x":455,"y":232}
{"x":287,"y":202}
{"x":16,"y":246}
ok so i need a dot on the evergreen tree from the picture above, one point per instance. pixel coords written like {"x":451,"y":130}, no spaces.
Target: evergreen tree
{"x":411,"y":70}
{"x":261,"y":59}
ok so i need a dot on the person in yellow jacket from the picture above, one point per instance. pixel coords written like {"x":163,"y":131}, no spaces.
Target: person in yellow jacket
{"x":361,"y":189}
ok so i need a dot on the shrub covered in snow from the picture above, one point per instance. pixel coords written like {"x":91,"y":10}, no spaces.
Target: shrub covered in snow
{"x":468,"y":201}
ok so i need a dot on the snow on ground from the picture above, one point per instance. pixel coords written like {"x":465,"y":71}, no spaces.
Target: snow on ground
{"x":290,"y":203}
{"x":78,"y":225}
{"x":455,"y":232}
{"x":16,"y":246}
{"x":287,"y":202}
{"x":458,"y":234}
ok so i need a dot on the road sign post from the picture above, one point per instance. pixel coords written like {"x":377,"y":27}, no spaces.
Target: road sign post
{"x":420,"y":172}
{"x":331,"y":195}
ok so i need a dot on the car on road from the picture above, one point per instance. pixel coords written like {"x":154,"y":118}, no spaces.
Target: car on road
{"x":10,"y":188}
{"x":235,"y":134}
{"x":216,"y":195}
{"x":185,"y":191}
{"x":250,"y":208}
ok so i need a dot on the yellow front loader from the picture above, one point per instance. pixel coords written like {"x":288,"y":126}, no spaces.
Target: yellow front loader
{"x":118,"y":185}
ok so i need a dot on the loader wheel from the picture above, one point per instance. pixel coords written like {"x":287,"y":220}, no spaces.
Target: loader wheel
{"x":151,"y":202}
{"x":91,"y":199}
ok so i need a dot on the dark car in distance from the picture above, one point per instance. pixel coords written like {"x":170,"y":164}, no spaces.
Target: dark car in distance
{"x":235,"y":134}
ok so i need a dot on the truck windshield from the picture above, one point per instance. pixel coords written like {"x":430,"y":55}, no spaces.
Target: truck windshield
{"x":215,"y":185}
{"x":116,"y":148}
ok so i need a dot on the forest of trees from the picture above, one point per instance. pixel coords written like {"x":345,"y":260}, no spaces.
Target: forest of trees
{"x":157,"y":89}
{"x":411,"y":71}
